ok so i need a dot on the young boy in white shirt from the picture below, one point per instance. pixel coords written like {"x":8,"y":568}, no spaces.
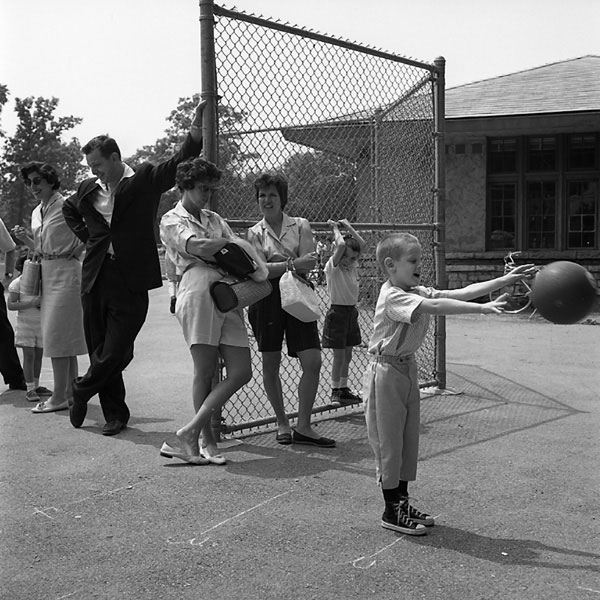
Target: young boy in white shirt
{"x":392,"y":398}
{"x":341,"y":331}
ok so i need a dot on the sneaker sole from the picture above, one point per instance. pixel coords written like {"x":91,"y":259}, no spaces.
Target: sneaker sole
{"x":426,"y":522}
{"x":418,"y":531}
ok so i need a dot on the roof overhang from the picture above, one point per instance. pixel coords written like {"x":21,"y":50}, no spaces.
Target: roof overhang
{"x":505,"y":125}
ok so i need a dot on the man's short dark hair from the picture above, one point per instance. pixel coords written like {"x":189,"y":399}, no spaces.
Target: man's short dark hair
{"x":105,"y":144}
{"x":279,"y":182}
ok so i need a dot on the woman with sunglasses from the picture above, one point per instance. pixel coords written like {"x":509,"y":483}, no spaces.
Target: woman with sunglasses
{"x":61,"y":312}
{"x":192,"y":235}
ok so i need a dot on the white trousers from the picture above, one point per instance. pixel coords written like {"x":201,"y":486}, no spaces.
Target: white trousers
{"x":392,"y":412}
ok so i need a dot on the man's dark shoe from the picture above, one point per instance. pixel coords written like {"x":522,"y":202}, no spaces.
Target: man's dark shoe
{"x":19,"y":385}
{"x":77,"y":412}
{"x":113,"y":427}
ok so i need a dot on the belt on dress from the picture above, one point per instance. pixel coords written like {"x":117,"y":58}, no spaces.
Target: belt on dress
{"x":56,"y":256}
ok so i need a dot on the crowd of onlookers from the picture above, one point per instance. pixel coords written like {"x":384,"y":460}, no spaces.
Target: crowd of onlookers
{"x":98,"y":306}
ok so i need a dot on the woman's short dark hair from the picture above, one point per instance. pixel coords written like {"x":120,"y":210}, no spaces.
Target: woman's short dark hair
{"x":48,"y":172}
{"x":193,"y":170}
{"x":105,"y":144}
{"x":279,"y":182}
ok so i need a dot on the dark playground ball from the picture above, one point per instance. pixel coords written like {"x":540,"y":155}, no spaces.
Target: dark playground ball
{"x":564,"y":292}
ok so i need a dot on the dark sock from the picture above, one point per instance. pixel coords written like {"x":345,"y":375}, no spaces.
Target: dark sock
{"x":391,"y":496}
{"x":403,"y":488}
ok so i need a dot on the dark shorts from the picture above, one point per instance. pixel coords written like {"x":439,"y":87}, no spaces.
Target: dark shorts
{"x":270,"y":322}
{"x":341,"y":329}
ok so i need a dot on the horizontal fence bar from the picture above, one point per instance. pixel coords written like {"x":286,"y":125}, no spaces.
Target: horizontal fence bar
{"x":292,"y":415}
{"x":225,"y":12}
{"x":319,"y":225}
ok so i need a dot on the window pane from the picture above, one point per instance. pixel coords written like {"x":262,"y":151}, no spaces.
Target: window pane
{"x":582,"y":217}
{"x":501,"y":234}
{"x":503,"y":155}
{"x":540,"y":205}
{"x":582,"y":151}
{"x":541,"y":153}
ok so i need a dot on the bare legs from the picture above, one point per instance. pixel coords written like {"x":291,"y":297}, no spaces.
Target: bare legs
{"x":310,"y":361}
{"x":341,"y":363}
{"x":32,"y":363}
{"x":64,"y":369}
{"x":207,"y":400}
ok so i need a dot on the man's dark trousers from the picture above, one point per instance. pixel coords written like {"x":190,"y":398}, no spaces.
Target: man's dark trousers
{"x":112,"y":317}
{"x":10,"y":366}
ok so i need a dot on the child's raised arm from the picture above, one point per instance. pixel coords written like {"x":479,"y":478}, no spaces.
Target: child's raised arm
{"x":338,"y":241}
{"x":354,"y":233}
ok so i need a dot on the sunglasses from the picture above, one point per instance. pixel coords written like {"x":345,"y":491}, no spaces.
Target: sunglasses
{"x":35,"y":181}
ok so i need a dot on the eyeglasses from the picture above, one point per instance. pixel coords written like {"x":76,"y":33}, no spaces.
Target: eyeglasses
{"x":209,"y":188}
{"x":35,"y":181}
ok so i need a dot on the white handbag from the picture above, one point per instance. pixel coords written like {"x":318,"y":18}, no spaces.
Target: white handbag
{"x":31,"y":278}
{"x":298,"y":298}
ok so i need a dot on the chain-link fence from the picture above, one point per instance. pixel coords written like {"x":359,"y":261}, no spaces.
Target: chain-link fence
{"x":353,"y":131}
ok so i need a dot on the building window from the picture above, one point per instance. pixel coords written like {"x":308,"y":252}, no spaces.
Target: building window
{"x":556,"y":186}
{"x":541,"y":154}
{"x":503,"y":155}
{"x":502,"y":207}
{"x":582,"y":152}
{"x":582,"y":214}
{"x":540,"y":207}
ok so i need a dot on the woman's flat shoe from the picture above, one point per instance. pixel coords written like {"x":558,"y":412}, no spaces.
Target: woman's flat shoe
{"x":215,"y":459}
{"x":284,"y":438}
{"x":323,"y":442}
{"x":46,"y":407}
{"x":170,"y":452}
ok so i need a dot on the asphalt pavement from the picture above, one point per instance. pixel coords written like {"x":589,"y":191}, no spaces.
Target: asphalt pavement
{"x":509,"y":465}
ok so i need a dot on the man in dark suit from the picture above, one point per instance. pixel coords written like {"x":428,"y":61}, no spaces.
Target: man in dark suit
{"x":10,"y":366}
{"x":114,"y":213}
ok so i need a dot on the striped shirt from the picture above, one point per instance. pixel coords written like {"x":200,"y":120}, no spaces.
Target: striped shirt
{"x":394,"y":333}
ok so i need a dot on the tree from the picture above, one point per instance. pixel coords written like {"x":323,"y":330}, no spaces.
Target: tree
{"x":321,"y":186}
{"x":3,"y":101}
{"x":38,"y":137}
{"x":230,"y":153}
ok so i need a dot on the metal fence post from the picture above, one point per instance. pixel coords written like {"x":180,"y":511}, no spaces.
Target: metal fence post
{"x":209,"y":137}
{"x":440,"y":210}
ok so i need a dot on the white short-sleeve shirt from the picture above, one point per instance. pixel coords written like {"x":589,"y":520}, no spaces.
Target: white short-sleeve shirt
{"x":342,"y":284}
{"x":393,"y":332}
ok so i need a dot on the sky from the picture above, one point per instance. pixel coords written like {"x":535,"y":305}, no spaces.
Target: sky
{"x":122,"y":65}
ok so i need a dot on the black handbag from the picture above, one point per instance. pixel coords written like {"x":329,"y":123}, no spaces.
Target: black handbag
{"x":235,"y":260}
{"x":230,"y":293}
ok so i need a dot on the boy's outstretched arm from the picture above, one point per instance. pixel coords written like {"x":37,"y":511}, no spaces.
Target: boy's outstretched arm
{"x":483,"y":288}
{"x":451,"y":306}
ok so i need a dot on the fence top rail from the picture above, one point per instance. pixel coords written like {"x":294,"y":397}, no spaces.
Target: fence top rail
{"x":241,"y":16}
{"x":319,"y":225}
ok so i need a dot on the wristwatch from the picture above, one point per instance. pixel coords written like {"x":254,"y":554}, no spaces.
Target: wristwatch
{"x":7,"y":274}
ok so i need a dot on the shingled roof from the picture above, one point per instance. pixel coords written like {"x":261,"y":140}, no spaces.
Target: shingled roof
{"x":567,"y":86}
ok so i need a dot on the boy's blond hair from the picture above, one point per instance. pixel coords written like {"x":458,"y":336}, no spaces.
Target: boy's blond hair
{"x":394,"y":246}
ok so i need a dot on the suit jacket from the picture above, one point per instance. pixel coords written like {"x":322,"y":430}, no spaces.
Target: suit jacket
{"x":131,"y":230}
